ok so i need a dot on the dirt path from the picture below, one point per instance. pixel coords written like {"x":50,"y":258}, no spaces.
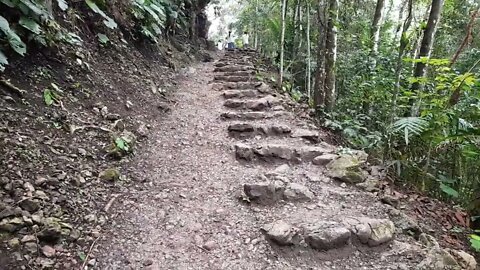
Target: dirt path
{"x":188,"y":215}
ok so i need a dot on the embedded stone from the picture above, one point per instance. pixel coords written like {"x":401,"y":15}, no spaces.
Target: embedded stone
{"x":282,"y":233}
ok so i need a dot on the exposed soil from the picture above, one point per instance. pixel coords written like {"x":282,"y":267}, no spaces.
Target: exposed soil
{"x":52,"y":156}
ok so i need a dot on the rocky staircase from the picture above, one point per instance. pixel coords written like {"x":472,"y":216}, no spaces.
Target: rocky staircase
{"x":311,"y":197}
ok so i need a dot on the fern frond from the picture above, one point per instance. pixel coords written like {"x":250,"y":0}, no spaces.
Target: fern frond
{"x":410,"y":126}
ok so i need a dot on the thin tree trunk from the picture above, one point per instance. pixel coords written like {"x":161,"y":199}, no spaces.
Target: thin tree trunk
{"x":398,"y":70}
{"x":256,"y":25}
{"x":400,"y":17}
{"x":427,"y":40}
{"x":319,"y":90}
{"x":401,"y":51}
{"x":282,"y":42}
{"x":331,"y":55}
{"x":375,"y":30}
{"x":309,"y":56}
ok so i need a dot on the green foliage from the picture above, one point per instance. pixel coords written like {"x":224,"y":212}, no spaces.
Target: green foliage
{"x":109,"y":22}
{"x":153,"y":16}
{"x":122,"y":144}
{"x":103,"y":38}
{"x":475,"y":242}
{"x":50,"y":95}
{"x":410,"y":126}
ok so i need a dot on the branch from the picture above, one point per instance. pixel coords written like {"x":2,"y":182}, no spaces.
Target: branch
{"x":467,"y":38}
{"x":455,"y":97}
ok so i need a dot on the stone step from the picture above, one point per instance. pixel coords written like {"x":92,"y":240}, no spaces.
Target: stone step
{"x":252,"y":115}
{"x":234,"y":68}
{"x":324,"y":235}
{"x":240,"y":85}
{"x":280,"y":152}
{"x":239,"y":73}
{"x":261,"y":104}
{"x":226,"y":63}
{"x":247,"y":130}
{"x":238,"y":94}
{"x":234,"y":79}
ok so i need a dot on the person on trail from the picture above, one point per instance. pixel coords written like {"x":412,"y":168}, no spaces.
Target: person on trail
{"x":245,"y":38}
{"x":220,"y":45}
{"x":231,"y":41}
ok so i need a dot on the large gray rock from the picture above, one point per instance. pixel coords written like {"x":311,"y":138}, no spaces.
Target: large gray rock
{"x":404,"y":223}
{"x":265,"y":193}
{"x":344,"y":162}
{"x":372,"y":232}
{"x":11,"y":224}
{"x":282,"y":233}
{"x":438,"y":259}
{"x":347,"y":176}
{"x":327,"y":236}
{"x":465,"y":260}
{"x":297,"y":192}
{"x":310,"y":152}
{"x":346,"y":167}
{"x":324,"y":159}
{"x":29,"y":204}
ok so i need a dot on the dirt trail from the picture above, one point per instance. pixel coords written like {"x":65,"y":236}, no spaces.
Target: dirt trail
{"x":189,"y":215}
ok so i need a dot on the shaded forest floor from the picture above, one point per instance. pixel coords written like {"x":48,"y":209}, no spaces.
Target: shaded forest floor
{"x":72,"y":195}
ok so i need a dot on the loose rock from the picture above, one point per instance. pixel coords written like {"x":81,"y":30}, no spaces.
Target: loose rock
{"x":327,"y":236}
{"x":282,"y":233}
{"x":297,"y":192}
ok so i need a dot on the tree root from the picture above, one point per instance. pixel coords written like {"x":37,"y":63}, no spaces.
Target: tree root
{"x":12,"y":88}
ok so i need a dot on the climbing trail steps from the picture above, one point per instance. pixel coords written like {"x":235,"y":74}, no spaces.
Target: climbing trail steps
{"x":252,"y":102}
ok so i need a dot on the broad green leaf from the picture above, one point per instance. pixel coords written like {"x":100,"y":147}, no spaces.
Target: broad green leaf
{"x":4,"y":25}
{"x":448,"y":190}
{"x":475,"y":242}
{"x":36,"y":8}
{"x":110,"y":23}
{"x":121,"y":144}
{"x":13,"y":39}
{"x":8,"y":3}
{"x":103,"y":38}
{"x":30,"y":24}
{"x":3,"y":61}
{"x":48,"y":97}
{"x":62,"y":4}
{"x":16,"y":43}
{"x":82,"y":256}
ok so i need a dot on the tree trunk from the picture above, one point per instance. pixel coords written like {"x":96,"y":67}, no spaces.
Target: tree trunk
{"x":319,"y":90}
{"x":427,"y":40}
{"x":256,"y":24}
{"x":331,"y":55}
{"x":375,"y":30}
{"x":309,"y":56}
{"x":282,"y":42}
